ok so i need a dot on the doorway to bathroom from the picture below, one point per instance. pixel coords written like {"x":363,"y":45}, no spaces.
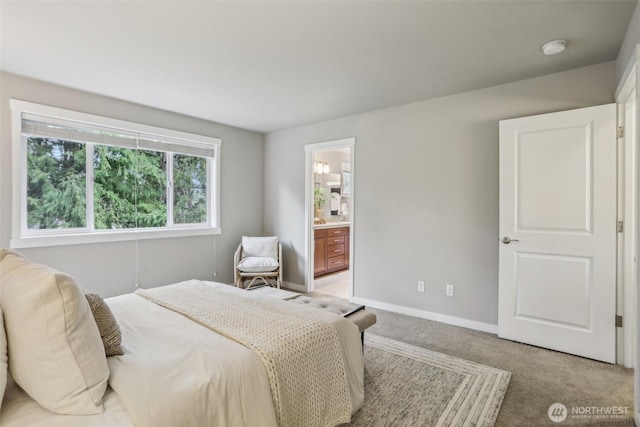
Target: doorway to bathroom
{"x":329,"y":218}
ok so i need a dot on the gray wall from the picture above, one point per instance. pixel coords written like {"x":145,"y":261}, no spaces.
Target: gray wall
{"x":110,"y":268}
{"x":628,"y":47}
{"x":426,"y":190}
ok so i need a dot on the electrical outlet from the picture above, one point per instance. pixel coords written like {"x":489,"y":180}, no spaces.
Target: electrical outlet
{"x":420,"y":286}
{"x":449,"y":290}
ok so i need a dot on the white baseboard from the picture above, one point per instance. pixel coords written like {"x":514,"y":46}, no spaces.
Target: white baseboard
{"x":442,"y":318}
{"x":294,"y":286}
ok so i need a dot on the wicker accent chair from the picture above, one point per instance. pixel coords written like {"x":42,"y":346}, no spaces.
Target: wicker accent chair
{"x":259,"y":260}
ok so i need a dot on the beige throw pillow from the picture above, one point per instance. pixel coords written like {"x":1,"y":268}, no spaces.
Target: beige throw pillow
{"x":54,"y":346}
{"x":5,"y":252}
{"x":107,"y":325}
{"x":3,"y":359}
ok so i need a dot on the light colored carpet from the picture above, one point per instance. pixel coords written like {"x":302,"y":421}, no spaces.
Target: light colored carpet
{"x":539,"y":377}
{"x":407,"y":385}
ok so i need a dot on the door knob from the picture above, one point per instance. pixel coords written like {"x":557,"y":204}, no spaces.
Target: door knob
{"x":506,"y":240}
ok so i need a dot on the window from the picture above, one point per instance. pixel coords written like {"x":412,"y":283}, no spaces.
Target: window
{"x":87,"y":178}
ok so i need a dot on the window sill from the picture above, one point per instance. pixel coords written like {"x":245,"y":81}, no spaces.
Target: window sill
{"x":108,"y":236}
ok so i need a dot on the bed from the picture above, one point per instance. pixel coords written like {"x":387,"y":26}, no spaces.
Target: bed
{"x":177,"y":372}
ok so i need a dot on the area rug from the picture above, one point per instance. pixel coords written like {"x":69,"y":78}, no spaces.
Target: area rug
{"x":405,"y":385}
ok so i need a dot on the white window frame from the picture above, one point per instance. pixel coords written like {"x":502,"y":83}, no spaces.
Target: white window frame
{"x":22,"y":237}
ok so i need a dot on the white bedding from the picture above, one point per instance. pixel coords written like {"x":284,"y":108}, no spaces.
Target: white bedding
{"x":191,"y":376}
{"x":20,"y":410}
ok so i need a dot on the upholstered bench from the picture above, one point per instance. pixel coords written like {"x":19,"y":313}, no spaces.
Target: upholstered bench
{"x":355,"y":313}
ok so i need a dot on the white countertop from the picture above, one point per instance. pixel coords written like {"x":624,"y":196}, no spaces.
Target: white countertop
{"x":331,"y":224}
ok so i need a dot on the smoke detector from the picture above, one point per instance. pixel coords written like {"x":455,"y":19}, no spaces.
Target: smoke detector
{"x":554,"y":47}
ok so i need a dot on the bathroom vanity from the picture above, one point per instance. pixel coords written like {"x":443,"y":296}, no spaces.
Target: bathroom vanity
{"x":331,"y":242}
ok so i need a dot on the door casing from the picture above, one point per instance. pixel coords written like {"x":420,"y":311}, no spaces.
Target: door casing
{"x":628,"y":92}
{"x":310,"y":149}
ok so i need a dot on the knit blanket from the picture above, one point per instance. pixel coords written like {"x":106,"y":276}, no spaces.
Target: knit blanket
{"x":301,"y":354}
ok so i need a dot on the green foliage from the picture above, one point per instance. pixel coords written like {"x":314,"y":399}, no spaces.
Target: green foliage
{"x":130,"y":186}
{"x":189,"y":189}
{"x":56,"y":183}
{"x":319,"y":198}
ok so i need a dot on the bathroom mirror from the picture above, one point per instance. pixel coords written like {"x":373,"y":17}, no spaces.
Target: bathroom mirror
{"x":335,"y":201}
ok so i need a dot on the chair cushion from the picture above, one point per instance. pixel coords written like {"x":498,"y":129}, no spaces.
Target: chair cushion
{"x":54,"y":346}
{"x":258,"y":264}
{"x":260,"y":247}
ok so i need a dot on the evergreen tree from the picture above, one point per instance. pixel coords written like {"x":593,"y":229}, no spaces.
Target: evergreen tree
{"x":189,"y":189}
{"x":130,"y":186}
{"x":56,"y":184}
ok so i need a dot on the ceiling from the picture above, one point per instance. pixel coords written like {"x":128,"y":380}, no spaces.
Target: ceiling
{"x":268,"y":65}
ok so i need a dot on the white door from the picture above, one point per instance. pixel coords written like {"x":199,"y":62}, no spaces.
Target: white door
{"x":557,"y":257}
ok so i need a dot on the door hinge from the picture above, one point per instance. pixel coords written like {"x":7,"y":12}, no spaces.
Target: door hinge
{"x":620,"y":132}
{"x":620,"y":226}
{"x":618,"y":321}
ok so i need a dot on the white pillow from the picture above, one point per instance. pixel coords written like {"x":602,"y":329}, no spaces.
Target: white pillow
{"x":54,"y":346}
{"x":260,"y":247}
{"x":255,"y":264}
{"x":3,"y":359}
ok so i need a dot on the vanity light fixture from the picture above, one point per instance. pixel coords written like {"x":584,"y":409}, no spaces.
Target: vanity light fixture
{"x":554,"y":47}
{"x":320,"y":167}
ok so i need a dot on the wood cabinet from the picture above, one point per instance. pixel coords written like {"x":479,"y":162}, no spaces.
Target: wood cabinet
{"x":347,"y":253}
{"x":320,"y":252}
{"x":331,"y":250}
